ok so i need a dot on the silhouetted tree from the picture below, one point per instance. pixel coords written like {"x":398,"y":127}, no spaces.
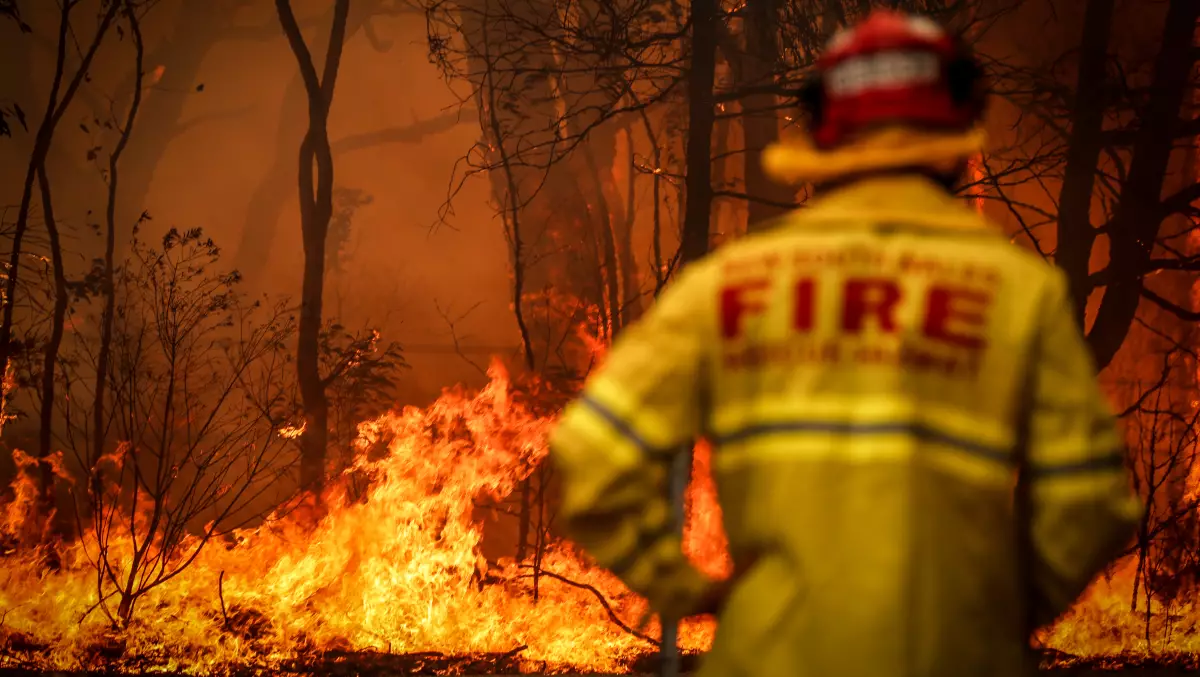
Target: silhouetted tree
{"x":316,"y":209}
{"x":1101,"y":144}
{"x":270,"y":195}
{"x":108,"y":264}
{"x":199,"y":382}
{"x":63,"y":89}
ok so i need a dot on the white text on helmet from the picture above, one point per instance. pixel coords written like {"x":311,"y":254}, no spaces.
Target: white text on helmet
{"x":883,"y":70}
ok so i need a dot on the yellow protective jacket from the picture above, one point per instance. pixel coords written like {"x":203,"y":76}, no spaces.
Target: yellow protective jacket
{"x":871,"y":373}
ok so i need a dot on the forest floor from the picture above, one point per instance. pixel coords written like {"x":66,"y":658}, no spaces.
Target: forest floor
{"x":1062,"y":672}
{"x":354,"y":664}
{"x":1057,"y":672}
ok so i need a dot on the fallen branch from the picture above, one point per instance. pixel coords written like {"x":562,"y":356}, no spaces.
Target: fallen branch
{"x":612,"y":615}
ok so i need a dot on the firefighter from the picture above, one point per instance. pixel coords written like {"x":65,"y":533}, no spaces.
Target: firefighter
{"x":874,"y":374}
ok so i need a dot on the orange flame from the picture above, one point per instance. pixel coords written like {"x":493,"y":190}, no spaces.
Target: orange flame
{"x":398,"y":569}
{"x":976,"y":168}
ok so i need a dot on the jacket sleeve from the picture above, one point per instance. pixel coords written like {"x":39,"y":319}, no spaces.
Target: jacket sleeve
{"x":1083,"y":508}
{"x":614,"y":446}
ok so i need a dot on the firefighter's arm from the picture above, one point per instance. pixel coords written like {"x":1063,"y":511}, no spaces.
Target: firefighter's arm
{"x":1084,"y":510}
{"x":615,"y":444}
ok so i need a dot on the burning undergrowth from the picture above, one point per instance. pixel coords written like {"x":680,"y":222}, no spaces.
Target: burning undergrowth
{"x":390,"y":578}
{"x":395,"y":569}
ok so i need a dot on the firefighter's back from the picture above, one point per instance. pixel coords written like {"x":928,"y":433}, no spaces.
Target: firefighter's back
{"x":867,"y":372}
{"x":863,"y":414}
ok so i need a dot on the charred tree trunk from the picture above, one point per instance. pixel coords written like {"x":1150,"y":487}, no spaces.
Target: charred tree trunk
{"x":50,"y":353}
{"x":631,"y":293}
{"x":1075,"y":235}
{"x":606,"y":214}
{"x":657,"y":262}
{"x":561,"y":225}
{"x":701,"y":116}
{"x":56,"y":107}
{"x":524,"y":518}
{"x":108,"y":285}
{"x":725,"y":213}
{"x":316,"y":208}
{"x":539,"y":545}
{"x":271,"y":194}
{"x":1138,"y":216}
{"x":760,"y":123}
{"x":507,"y":189}
{"x":694,"y":238}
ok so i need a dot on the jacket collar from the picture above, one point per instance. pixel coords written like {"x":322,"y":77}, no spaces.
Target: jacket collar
{"x":899,"y":198}
{"x":795,"y":160}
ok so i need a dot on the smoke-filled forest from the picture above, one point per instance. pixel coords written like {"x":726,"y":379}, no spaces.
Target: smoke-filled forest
{"x":293,"y":291}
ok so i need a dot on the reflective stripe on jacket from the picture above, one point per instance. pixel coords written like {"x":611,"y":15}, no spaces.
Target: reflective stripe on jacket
{"x":869,"y":372}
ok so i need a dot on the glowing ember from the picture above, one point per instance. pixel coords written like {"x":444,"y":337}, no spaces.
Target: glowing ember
{"x":397,"y":568}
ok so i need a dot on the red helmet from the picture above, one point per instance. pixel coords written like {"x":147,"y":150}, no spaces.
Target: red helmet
{"x":892,"y":68}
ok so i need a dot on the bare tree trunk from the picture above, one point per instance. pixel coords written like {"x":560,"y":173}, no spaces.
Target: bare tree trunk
{"x":605,"y":222}
{"x":56,"y":107}
{"x":1137,"y":218}
{"x":656,"y":254}
{"x":701,"y":116}
{"x":50,"y":354}
{"x":694,"y":238}
{"x":1075,"y":235}
{"x":631,"y":294}
{"x":524,"y":518}
{"x":104,"y":351}
{"x":760,"y":123}
{"x":725,"y":213}
{"x":316,"y":208}
{"x":270,"y":195}
{"x":539,"y":544}
{"x":510,"y":194}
